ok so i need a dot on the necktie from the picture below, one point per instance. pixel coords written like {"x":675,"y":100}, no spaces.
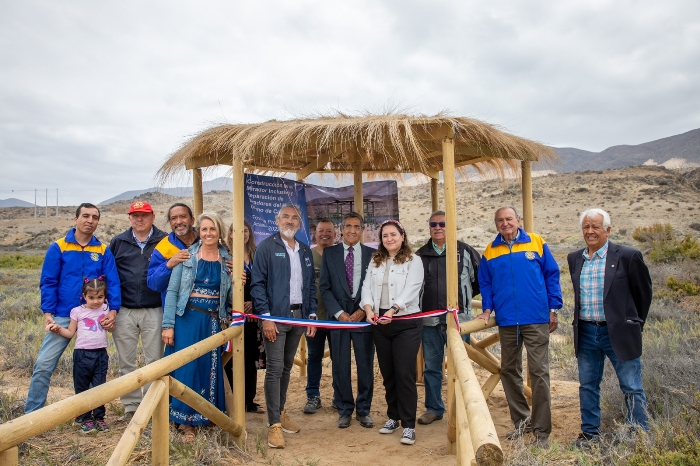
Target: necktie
{"x":349,"y":266}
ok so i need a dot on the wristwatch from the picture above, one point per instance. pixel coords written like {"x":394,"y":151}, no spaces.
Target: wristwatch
{"x":395,"y":309}
{"x":555,"y":311}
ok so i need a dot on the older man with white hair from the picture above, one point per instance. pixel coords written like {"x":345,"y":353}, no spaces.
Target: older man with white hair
{"x":283,"y":284}
{"x":612,"y":291}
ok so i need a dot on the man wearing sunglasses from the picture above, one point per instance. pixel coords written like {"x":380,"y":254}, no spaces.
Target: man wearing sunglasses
{"x":434,"y":297}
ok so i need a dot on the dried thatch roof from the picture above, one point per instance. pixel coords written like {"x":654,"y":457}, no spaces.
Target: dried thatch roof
{"x":385,"y":144}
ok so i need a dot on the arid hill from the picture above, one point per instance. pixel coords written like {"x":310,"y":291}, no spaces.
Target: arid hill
{"x":634,"y":196}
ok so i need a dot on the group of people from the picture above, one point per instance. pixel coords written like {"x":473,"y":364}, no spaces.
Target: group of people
{"x":173,"y":290}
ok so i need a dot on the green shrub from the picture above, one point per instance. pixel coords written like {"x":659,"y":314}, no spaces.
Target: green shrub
{"x":687,"y":287}
{"x":20,"y":261}
{"x":656,"y":232}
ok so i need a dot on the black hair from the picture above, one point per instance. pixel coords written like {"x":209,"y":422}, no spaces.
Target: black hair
{"x":180,"y":204}
{"x":354,"y":215}
{"x":86,"y":205}
{"x":94,"y":284}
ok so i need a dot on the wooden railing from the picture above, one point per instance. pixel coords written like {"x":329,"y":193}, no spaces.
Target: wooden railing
{"x":154,"y":405}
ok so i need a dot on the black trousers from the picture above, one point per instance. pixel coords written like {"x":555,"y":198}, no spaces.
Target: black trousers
{"x":397,"y":346}
{"x":250,"y":358}
{"x":363,"y":344}
{"x":90,"y":370}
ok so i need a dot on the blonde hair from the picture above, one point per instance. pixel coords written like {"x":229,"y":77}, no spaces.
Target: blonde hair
{"x":218,"y":223}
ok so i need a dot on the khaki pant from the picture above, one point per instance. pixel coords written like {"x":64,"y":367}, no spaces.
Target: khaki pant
{"x":535,"y":337}
{"x":131,"y":323}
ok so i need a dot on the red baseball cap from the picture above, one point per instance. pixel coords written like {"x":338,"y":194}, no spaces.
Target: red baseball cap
{"x":140,"y":206}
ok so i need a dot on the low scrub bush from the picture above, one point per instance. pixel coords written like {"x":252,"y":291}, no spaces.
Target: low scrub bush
{"x":20,"y":261}
{"x":656,"y":232}
{"x":683,"y":286}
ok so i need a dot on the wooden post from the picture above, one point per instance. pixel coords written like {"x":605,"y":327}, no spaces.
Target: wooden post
{"x":198,"y":191}
{"x":420,"y":365}
{"x":528,"y":214}
{"x":435,"y":206}
{"x":465,"y":450}
{"x":160,"y":442}
{"x":238,"y":414}
{"x":359,"y":201}
{"x":303,"y":355}
{"x":528,"y":221}
{"x":487,"y":447}
{"x":10,"y":457}
{"x":448,"y":167}
{"x":138,"y":424}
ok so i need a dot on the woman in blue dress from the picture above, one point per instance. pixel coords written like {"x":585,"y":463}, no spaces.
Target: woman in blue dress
{"x":198,"y":295}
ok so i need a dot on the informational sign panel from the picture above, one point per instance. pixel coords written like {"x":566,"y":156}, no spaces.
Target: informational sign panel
{"x":264,"y":196}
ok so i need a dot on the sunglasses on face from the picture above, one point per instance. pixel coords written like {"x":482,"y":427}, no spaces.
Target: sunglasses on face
{"x":437,"y":224}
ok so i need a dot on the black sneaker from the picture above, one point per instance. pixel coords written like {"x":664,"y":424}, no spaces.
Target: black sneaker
{"x":390,"y":427}
{"x":409,"y":436}
{"x":89,"y":426}
{"x":585,"y":441}
{"x":312,"y":405}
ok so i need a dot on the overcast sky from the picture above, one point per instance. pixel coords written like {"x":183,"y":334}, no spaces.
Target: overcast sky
{"x":95,"y":95}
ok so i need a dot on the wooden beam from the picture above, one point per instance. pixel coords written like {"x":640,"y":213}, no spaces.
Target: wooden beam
{"x":448,"y":154}
{"x":209,"y":160}
{"x":30,"y":425}
{"x":10,"y":457}
{"x":238,"y":414}
{"x":195,"y":401}
{"x":359,"y":200}
{"x":487,"y":447}
{"x":160,"y":442}
{"x":314,"y":165}
{"x":138,"y":424}
{"x":435,"y":206}
{"x":197,"y":192}
{"x":490,"y":384}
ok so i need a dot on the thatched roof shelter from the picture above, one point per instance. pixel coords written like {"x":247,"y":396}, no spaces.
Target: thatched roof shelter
{"x":391,"y":144}
{"x":384,"y":144}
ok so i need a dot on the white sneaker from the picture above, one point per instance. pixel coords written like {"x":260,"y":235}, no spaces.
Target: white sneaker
{"x":389,"y":427}
{"x":409,"y":436}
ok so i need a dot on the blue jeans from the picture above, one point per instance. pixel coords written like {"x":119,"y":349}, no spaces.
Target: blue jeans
{"x":316,"y":346}
{"x":434,"y":341}
{"x":51,"y":350}
{"x":593,"y":346}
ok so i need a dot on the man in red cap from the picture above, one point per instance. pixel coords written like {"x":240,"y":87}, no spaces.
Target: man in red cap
{"x":141,"y":313}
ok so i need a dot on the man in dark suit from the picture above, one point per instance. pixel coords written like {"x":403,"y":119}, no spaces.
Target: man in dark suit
{"x":342,"y":273}
{"x":612,"y":290}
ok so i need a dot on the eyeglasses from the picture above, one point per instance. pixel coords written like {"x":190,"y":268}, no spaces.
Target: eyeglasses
{"x":437,"y":224}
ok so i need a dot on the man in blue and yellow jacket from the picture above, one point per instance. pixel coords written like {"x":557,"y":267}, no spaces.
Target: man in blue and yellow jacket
{"x":172,"y":249}
{"x":519,"y":282}
{"x":68,"y":263}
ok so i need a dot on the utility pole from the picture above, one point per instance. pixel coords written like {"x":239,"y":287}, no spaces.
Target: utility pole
{"x":56,"y":202}
{"x":35,"y":206}
{"x":46,"y":208}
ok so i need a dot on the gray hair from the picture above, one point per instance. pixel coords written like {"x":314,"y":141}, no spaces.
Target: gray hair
{"x":504,"y":208}
{"x":594,"y":212}
{"x":437,"y":213}
{"x":216,"y":220}
{"x":288,"y":206}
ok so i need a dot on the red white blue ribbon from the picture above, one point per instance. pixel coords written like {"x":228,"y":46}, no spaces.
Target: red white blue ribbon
{"x":240,"y":318}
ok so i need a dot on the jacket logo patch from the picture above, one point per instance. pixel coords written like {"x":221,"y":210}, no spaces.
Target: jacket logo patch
{"x":280,"y":254}
{"x":308,"y":262}
{"x":530,"y":255}
{"x":94,"y":256}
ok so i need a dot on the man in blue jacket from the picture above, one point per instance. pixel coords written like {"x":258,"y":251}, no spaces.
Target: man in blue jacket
{"x":141,"y":314}
{"x":68,"y":262}
{"x":172,"y":249}
{"x":282,"y":285}
{"x":519,"y":281}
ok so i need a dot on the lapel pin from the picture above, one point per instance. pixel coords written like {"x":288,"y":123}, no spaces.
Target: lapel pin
{"x":612,"y":265}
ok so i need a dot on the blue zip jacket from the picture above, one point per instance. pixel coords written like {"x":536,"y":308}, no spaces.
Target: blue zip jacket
{"x":159,"y":273}
{"x":66,"y":265}
{"x":520,"y":282}
{"x":182,"y":283}
{"x":269,"y":286}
